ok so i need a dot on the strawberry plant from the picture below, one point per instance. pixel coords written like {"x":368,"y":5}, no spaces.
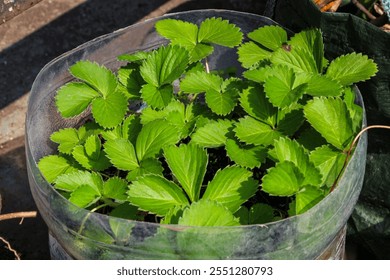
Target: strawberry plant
{"x":172,"y":141}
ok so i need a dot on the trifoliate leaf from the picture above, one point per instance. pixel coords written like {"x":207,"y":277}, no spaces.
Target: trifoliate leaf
{"x":255,"y":103}
{"x":156,"y":194}
{"x":99,"y":163}
{"x":298,"y":59}
{"x":130,"y":77}
{"x":115,"y":188}
{"x":188,"y":164}
{"x":272,"y":37}
{"x":290,"y":119}
{"x":121,"y":153}
{"x":250,"y":54}
{"x":351,"y":68}
{"x":306,"y":198}
{"x":220,"y":32}
{"x":207,"y":213}
{"x":311,"y":40}
{"x":231,"y":187}
{"x":73,"y":98}
{"x":260,"y":213}
{"x":247,"y":156}
{"x":53,"y":166}
{"x":330,"y":117}
{"x":153,"y":137}
{"x":284,"y":179}
{"x":251,"y":131}
{"x":109,"y":111}
{"x":69,"y":182}
{"x":281,"y":87}
{"x":290,"y":150}
{"x":98,"y":77}
{"x":329,"y":162}
{"x":147,"y":166}
{"x":201,"y":81}
{"x":180,"y":33}
{"x":157,"y":97}
{"x":213,"y":134}
{"x":84,"y":196}
{"x":67,"y":139}
{"x":164,"y":65}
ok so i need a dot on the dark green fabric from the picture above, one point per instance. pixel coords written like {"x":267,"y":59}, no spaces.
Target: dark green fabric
{"x":345,"y":33}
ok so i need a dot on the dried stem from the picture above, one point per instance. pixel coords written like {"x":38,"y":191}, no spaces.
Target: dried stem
{"x":363,"y":9}
{"x":352,"y":146}
{"x":9,"y":247}
{"x":22,"y":215}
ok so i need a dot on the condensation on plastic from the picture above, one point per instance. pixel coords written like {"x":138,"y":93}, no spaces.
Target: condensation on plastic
{"x":79,"y":234}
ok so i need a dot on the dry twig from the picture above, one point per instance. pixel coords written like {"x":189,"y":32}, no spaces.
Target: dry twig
{"x":10,"y":248}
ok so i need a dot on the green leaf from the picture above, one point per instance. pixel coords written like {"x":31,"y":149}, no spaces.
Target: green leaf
{"x":271,"y":37}
{"x":73,"y":98}
{"x":306,"y":198}
{"x":188,"y":164}
{"x":69,"y":182}
{"x":164,"y":65}
{"x":220,"y":32}
{"x":250,"y":54}
{"x":351,"y":68}
{"x":147,"y":166}
{"x":173,"y":215}
{"x":311,"y":40}
{"x":251,"y":131}
{"x":180,"y":33}
{"x":153,"y":137}
{"x":290,"y":120}
{"x":281,"y":88}
{"x":200,"y":51}
{"x":157,"y":97}
{"x":84,"y":196}
{"x":213,"y":134}
{"x":121,"y":154}
{"x":67,"y":139}
{"x":156,"y":194}
{"x":99,"y":163}
{"x":319,"y":85}
{"x":134,"y":57}
{"x":260,"y":213}
{"x":290,"y":150}
{"x":207,"y":213}
{"x":93,"y":147}
{"x":330,"y":117}
{"x":53,"y":166}
{"x":115,"y":188}
{"x":109,"y":111}
{"x":258,"y":74}
{"x":284,"y":179}
{"x":124,"y":211}
{"x":355,"y":111}
{"x":298,"y":59}
{"x":200,"y":81}
{"x":247,"y":156}
{"x":98,"y":77}
{"x":231,"y":187}
{"x":311,"y":139}
{"x":131,"y":127}
{"x":130,"y":77}
{"x":222,"y":103}
{"x":329,"y":162}
{"x":255,"y":103}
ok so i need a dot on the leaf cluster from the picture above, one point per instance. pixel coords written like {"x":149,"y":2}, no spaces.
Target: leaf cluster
{"x":209,"y":148}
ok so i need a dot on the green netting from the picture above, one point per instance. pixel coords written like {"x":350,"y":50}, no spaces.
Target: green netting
{"x":344,"y":33}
